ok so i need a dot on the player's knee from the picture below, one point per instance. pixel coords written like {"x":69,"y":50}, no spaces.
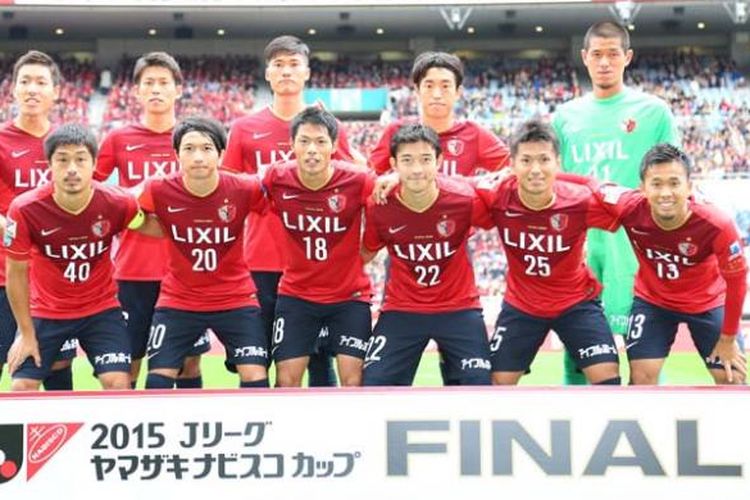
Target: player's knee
{"x":191,"y":368}
{"x":115,"y":381}
{"x":506,"y":378}
{"x":351,"y":379}
{"x":720,"y":378}
{"x":643,"y":377}
{"x":25,"y":384}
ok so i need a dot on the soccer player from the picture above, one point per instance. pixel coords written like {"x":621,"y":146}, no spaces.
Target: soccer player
{"x":320,"y":201}
{"x":202,"y":212}
{"x":691,"y":269}
{"x":542,"y":222}
{"x":604,"y":135}
{"x":256,"y":142}
{"x":61,"y":233}
{"x":140,"y":151}
{"x":23,"y":166}
{"x":430,"y":292}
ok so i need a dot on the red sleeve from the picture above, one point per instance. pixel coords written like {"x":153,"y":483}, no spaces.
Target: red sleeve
{"x":17,"y":239}
{"x":480,"y":214}
{"x":371,"y":239}
{"x":146,"y":198}
{"x":380,"y":156}
{"x":733,"y":267}
{"x":493,"y":153}
{"x":343,"y":150}
{"x":132,"y":208}
{"x":576,"y":179}
{"x":234,"y":159}
{"x":368,"y":187}
{"x":609,"y":204}
{"x":105,"y":160}
{"x":257,"y":198}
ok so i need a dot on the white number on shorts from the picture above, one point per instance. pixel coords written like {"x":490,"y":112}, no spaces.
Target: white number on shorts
{"x":206,"y":259}
{"x":497,"y":338}
{"x":77,"y":271}
{"x":635,"y":326}
{"x":278,"y":331}
{"x":667,"y":270}
{"x":315,"y":248}
{"x":156,"y":337}
{"x":376,"y":344}
{"x":428,"y":275}
{"x":537,"y":265}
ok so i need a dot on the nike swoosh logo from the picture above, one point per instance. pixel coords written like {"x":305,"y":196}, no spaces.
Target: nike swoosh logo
{"x":394,"y":230}
{"x":174,"y":210}
{"x":18,"y":154}
{"x":643,"y":233}
{"x":151,"y":355}
{"x":512,"y":214}
{"x":47,"y":232}
{"x":628,"y":346}
{"x":286,"y":196}
{"x":129,"y":148}
{"x":260,"y":135}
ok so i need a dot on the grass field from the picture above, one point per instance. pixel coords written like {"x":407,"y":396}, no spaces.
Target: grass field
{"x":682,"y":368}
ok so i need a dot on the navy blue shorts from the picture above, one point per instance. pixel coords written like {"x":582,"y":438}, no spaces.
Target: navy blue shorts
{"x":399,"y":338}
{"x":138,"y":300}
{"x":8,"y":328}
{"x":102,"y":336}
{"x":267,"y":285}
{"x":583,"y":329}
{"x":298,"y":326}
{"x":652,"y":331}
{"x":175,"y":332}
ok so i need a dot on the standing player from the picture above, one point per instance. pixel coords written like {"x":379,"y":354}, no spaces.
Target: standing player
{"x":202,"y":212}
{"x":430,"y":292}
{"x":140,"y":151}
{"x":61,"y":234}
{"x":691,"y":270}
{"x":23,"y":166}
{"x":255,"y":143}
{"x":542,"y":222}
{"x":604,"y":135}
{"x":320,"y":201}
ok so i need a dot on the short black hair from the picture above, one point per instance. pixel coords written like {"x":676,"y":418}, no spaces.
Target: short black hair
{"x":40,"y":58}
{"x":70,"y":134}
{"x":314,"y":115}
{"x":204,"y":125}
{"x":411,"y":134}
{"x":286,"y":44}
{"x":427,"y":60}
{"x":160,"y":59}
{"x":533,"y":131}
{"x":664,"y":153}
{"x":607,"y":29}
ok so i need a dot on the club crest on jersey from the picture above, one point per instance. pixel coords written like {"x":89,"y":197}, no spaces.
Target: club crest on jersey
{"x":101,"y":228}
{"x":227,"y":212}
{"x":454,"y":147}
{"x":688,"y":249}
{"x":336,"y":203}
{"x":559,"y":222}
{"x":628,"y":125}
{"x":446,"y":227}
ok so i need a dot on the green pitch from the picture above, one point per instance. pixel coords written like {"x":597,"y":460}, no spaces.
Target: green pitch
{"x":680,"y":369}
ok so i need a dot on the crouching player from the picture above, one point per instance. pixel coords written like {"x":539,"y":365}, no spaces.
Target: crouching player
{"x":691,"y":270}
{"x":431,"y":291}
{"x":542,"y":222}
{"x":63,"y":232}
{"x":201,"y":211}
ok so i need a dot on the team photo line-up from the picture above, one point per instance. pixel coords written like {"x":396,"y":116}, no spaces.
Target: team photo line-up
{"x":261,"y":237}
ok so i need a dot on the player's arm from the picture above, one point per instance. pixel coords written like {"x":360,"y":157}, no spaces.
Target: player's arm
{"x":145,"y":220}
{"x":17,"y":287}
{"x":105,"y":160}
{"x":609,"y":204}
{"x":2,"y":226}
{"x":494,"y":154}
{"x":233,"y":158}
{"x":371,"y":242}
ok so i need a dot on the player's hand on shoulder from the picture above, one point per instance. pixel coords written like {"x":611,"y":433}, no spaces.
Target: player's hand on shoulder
{"x":384,"y":184}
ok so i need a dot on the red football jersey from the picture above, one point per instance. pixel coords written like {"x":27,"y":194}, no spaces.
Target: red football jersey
{"x":546,"y":269}
{"x":23,"y":166}
{"x":468,"y":149}
{"x":205,"y":269}
{"x":430,"y":268}
{"x":71,"y":269}
{"x":256,"y":142}
{"x":137,"y":153}
{"x":685,"y":269}
{"x":322,"y":232}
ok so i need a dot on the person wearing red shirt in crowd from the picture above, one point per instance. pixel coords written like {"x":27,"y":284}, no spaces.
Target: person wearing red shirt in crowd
{"x":430,"y":292}
{"x":201,"y":211}
{"x":691,"y":270}
{"x":256,"y":142}
{"x":138,"y":152}
{"x":542,"y":222}
{"x":23,"y":166}
{"x":58,"y":239}
{"x":320,"y":203}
